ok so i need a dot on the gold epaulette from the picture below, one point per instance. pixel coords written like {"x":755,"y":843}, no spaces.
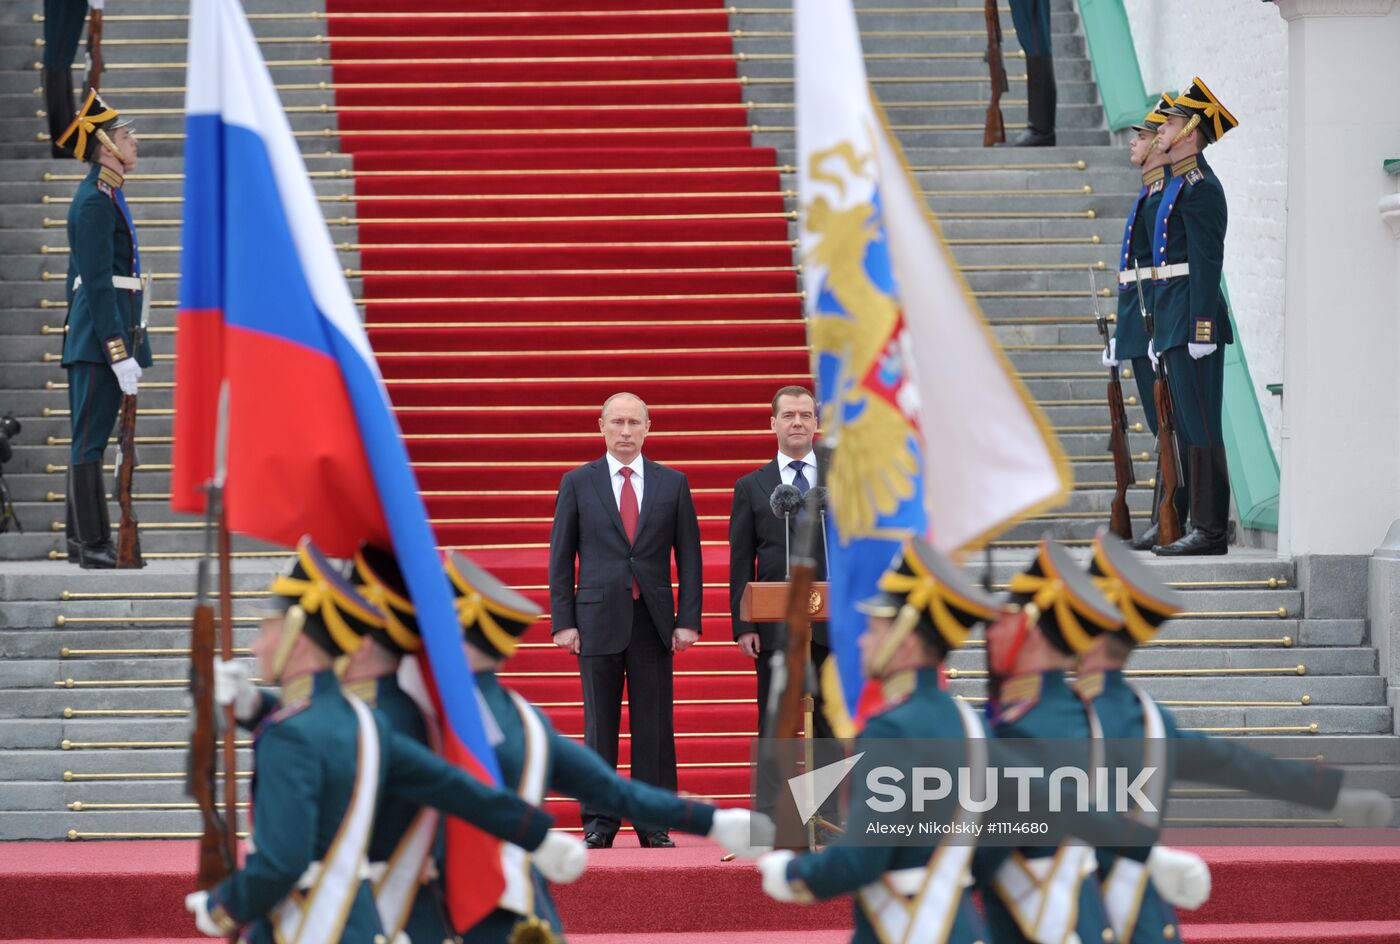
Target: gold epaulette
{"x":110,"y":177}
{"x":1089,"y":686}
{"x":366,"y":690}
{"x":1023,"y":688}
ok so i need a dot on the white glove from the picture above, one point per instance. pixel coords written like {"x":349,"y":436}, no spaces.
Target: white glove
{"x":1110,"y":356}
{"x":773,"y":867}
{"x":128,"y":372}
{"x":1198,"y":351}
{"x":197,"y":904}
{"x":232,"y":687}
{"x":1181,"y":878}
{"x":1152,"y":354}
{"x":746,"y":835}
{"x":1363,"y":808}
{"x":560,"y":858}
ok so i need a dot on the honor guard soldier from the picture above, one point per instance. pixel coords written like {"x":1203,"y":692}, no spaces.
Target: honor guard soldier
{"x":536,"y":760}
{"x":63,"y":30}
{"x":306,"y":878}
{"x":926,"y":609}
{"x":1136,"y":907}
{"x":1032,"y":21}
{"x":1193,"y":320}
{"x":405,"y":845}
{"x":104,"y":348}
{"x":1041,"y":894}
{"x":1130,"y":340}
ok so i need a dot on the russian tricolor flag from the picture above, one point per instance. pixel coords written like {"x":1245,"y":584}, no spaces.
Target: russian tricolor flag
{"x":313,"y":444}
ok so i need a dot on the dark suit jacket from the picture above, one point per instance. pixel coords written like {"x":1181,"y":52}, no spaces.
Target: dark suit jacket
{"x":756,"y":550}
{"x":588,"y":531}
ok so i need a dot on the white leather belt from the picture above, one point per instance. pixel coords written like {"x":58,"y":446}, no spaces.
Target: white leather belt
{"x":1171,"y":271}
{"x":129,"y":282}
{"x":911,"y":881}
{"x":313,"y":872}
{"x":1129,"y":276}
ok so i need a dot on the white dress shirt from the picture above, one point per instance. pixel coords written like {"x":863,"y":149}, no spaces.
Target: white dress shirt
{"x":616,"y":476}
{"x":809,"y":468}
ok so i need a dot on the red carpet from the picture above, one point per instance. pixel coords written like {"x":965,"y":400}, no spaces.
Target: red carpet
{"x":1285,"y":895}
{"x":555,"y":205}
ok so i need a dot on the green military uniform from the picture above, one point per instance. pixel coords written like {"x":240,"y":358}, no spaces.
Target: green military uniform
{"x":897,"y":887}
{"x":104,"y":312}
{"x":1071,"y":614}
{"x":63,"y":30}
{"x":534,"y":758}
{"x":1130,"y":338}
{"x":307,"y":878}
{"x":376,"y":575}
{"x":1188,"y":250}
{"x":1136,"y":910}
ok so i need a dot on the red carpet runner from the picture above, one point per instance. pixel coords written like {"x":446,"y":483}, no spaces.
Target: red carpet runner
{"x":554,"y":206}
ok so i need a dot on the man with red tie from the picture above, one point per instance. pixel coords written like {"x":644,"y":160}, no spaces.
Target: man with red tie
{"x":617,"y":522}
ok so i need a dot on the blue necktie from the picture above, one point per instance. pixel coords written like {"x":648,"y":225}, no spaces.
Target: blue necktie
{"x":798,"y":479}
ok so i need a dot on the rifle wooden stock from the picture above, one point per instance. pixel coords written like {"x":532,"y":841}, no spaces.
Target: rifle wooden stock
{"x":128,"y":538}
{"x":995,"y":131}
{"x":226,"y":653}
{"x":1119,"y":521}
{"x":93,"y":79}
{"x":1168,"y":522}
{"x":789,"y":721}
{"x":216,"y":839}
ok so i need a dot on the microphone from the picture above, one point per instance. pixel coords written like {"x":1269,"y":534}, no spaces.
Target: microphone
{"x":785,"y":501}
{"x":820,"y":495}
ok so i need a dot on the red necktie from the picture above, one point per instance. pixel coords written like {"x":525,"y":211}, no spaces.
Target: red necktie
{"x":627,"y":505}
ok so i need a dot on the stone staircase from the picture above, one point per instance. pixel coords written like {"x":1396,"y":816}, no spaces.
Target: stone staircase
{"x":93,"y":667}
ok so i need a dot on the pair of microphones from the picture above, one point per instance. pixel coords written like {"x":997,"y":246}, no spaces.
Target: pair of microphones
{"x":785,"y":502}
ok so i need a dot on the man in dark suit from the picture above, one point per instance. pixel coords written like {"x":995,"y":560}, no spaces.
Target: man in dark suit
{"x":618,"y":520}
{"x":758,"y":549}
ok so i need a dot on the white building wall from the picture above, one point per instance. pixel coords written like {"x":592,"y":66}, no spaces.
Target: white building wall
{"x":1240,"y":49}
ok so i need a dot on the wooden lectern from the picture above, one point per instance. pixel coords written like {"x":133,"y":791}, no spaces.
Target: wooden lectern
{"x":766,"y":602}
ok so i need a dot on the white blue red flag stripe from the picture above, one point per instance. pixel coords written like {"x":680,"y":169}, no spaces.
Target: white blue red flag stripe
{"x":934,"y":434}
{"x":313,"y":444}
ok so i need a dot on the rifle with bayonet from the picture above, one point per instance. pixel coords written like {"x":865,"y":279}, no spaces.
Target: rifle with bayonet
{"x":128,"y":537}
{"x":217,"y":846}
{"x":1124,"y":477}
{"x":216,"y":841}
{"x":1169,"y":474}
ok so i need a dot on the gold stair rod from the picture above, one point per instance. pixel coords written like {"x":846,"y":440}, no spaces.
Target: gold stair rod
{"x":68,"y":745}
{"x":157,"y":595}
{"x":62,"y":620}
{"x":1280,"y":613}
{"x":76,"y":835}
{"x":1280,"y":670}
{"x":1260,"y":729}
{"x":70,"y":776}
{"x":124,"y":712}
{"x":66,"y":653}
{"x":80,"y":806}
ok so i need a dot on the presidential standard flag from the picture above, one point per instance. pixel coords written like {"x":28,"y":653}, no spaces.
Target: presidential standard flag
{"x":313,"y":444}
{"x":934,"y":433}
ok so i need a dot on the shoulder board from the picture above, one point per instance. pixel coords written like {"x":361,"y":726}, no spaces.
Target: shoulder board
{"x":1018,"y":696}
{"x":1089,"y":686}
{"x":104,"y":187}
{"x":1195,"y":176}
{"x":1157,"y":186}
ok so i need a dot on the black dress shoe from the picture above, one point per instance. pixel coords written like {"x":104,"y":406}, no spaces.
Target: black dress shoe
{"x":656,"y":840}
{"x":1196,"y":544}
{"x":1032,"y":138}
{"x":97,"y":556}
{"x":1145,"y":541}
{"x":597,"y":841}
